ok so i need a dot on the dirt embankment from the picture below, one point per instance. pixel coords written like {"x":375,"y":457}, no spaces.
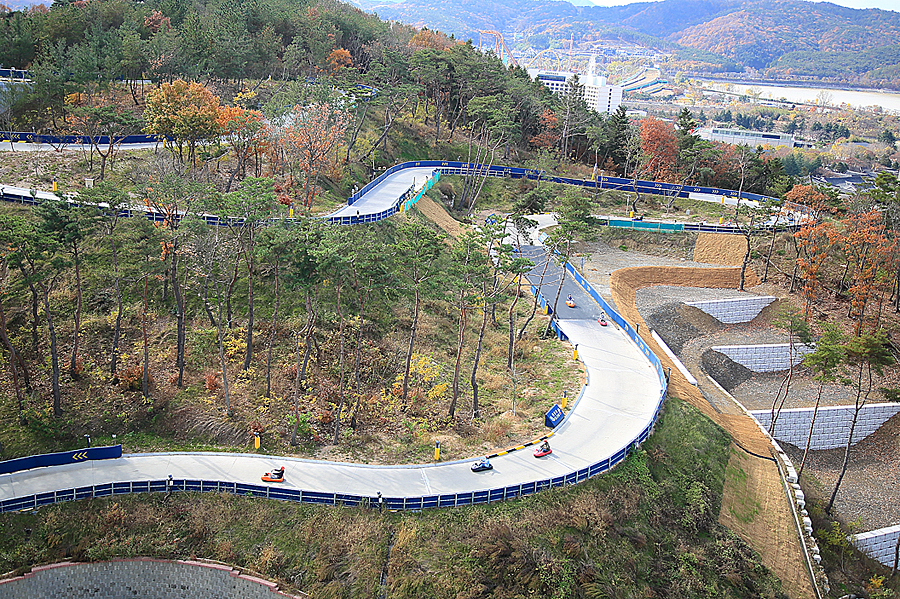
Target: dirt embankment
{"x":718,"y":248}
{"x":436,"y":214}
{"x":753,"y":501}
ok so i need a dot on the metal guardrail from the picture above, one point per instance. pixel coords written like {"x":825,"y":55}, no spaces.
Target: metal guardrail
{"x":418,"y":502}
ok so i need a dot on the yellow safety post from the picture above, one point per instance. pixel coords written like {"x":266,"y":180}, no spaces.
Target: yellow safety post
{"x":721,"y":219}
{"x":546,"y":309}
{"x":565,"y":399}
{"x":256,"y":440}
{"x":575,"y":353}
{"x":722,"y":201}
{"x":632,"y":214}
{"x":54,"y":183}
{"x":291,"y":213}
{"x":437,"y":451}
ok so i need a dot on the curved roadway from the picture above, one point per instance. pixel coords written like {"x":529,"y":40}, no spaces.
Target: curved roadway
{"x":618,"y":403}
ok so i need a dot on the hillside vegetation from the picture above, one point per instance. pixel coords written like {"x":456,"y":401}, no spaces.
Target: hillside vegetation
{"x":816,"y":37}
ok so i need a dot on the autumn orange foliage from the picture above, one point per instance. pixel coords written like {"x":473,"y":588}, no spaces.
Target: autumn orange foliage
{"x":549,"y":135}
{"x":185,"y":112}
{"x":315,"y":131}
{"x":660,"y":148}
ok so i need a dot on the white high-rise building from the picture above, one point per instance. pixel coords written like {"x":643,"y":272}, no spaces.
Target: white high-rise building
{"x":598,"y":94}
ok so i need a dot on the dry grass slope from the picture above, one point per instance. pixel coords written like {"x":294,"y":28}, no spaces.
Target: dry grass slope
{"x":753,"y":502}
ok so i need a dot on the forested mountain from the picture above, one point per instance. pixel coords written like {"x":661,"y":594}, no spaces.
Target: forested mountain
{"x":784,"y":39}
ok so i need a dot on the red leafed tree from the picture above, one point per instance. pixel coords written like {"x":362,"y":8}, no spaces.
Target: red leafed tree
{"x":549,"y":135}
{"x":872,"y":256}
{"x":246,"y":133}
{"x":660,"y":148}
{"x":309,"y":140}
{"x":814,"y":240}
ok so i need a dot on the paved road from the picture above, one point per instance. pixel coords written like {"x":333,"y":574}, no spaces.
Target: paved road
{"x":383,"y":195}
{"x":618,"y":402}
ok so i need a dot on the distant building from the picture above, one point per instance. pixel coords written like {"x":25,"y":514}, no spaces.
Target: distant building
{"x":740,"y":137}
{"x":598,"y":94}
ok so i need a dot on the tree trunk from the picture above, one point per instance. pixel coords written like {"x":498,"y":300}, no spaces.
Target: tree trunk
{"x":859,"y":405}
{"x":35,"y":344}
{"x":511,"y":316}
{"x":230,"y":290}
{"x":117,"y":331}
{"x":179,"y":319}
{"x":222,"y":363}
{"x":363,"y":297}
{"x":562,"y":280}
{"x":765,"y":276}
{"x":73,"y":361}
{"x":476,"y":410}
{"x":460,"y":338}
{"x":54,"y":355}
{"x":534,"y":305}
{"x":340,"y":407}
{"x":297,"y":382}
{"x":209,"y":314}
{"x":272,"y":335}
{"x":14,"y":359}
{"x":747,"y":253}
{"x":409,"y":350}
{"x":809,"y":437}
{"x":248,"y":356}
{"x":145,"y":378}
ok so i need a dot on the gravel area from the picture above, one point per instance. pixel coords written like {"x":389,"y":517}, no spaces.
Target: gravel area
{"x":726,"y":371}
{"x":601,"y":260}
{"x":870,"y":491}
{"x":758,"y":392}
{"x":649,"y":299}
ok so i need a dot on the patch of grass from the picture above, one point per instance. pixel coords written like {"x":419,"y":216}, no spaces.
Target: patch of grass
{"x":632,"y":533}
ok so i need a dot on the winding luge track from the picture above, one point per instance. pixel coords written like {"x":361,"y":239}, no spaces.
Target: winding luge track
{"x":616,"y":409}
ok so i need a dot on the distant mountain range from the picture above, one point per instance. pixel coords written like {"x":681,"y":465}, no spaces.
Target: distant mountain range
{"x":785,"y":39}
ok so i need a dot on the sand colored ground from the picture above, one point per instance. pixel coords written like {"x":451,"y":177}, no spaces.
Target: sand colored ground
{"x":720,"y":248}
{"x":439,"y":216}
{"x":754,"y":505}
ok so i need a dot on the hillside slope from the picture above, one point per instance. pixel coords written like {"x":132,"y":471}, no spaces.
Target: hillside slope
{"x":785,"y":39}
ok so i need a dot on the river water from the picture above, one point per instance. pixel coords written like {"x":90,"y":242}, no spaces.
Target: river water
{"x":889,"y":102}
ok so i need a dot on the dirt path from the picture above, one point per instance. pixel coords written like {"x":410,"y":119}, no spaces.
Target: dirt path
{"x":435,"y":213}
{"x":753,"y":503}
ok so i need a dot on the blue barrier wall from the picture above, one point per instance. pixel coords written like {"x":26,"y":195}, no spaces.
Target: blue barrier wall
{"x":61,"y":458}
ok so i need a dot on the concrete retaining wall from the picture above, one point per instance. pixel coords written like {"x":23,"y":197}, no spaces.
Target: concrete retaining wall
{"x":765,"y":358}
{"x":832,"y":424}
{"x":879,"y":544}
{"x":732,"y":311}
{"x":144,"y":578}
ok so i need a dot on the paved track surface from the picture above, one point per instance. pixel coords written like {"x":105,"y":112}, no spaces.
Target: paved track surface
{"x":382,"y":196}
{"x":618,"y":402}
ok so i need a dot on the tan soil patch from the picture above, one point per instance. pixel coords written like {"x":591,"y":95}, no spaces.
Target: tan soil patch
{"x":720,"y":248}
{"x":755,"y":508}
{"x":770,"y":530}
{"x":435,"y":213}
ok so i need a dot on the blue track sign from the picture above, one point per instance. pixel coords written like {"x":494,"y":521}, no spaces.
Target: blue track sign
{"x":554,"y":416}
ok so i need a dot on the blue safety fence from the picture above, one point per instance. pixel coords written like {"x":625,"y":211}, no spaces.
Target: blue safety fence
{"x":68,"y":140}
{"x":15,"y":74}
{"x":410,"y":196}
{"x":404,"y":202}
{"x":61,"y":458}
{"x":491,"y":495}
